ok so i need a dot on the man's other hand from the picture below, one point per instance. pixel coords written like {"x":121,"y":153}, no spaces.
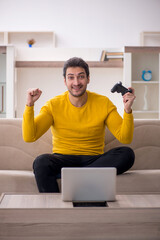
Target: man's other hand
{"x":128,"y":100}
{"x":32,"y":96}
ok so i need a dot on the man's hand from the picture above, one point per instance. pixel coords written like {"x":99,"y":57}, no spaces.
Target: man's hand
{"x":128,"y":100}
{"x":32,"y":96}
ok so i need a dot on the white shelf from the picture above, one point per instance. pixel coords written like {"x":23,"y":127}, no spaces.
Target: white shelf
{"x":150,"y":39}
{"x":142,"y":111}
{"x":137,"y":59}
{"x":20,"y":39}
{"x":60,"y":64}
{"x":145,"y":82}
{"x":7,"y":82}
{"x":146,"y":115}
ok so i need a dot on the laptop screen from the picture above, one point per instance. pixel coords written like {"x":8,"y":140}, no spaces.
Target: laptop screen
{"x":88,"y":184}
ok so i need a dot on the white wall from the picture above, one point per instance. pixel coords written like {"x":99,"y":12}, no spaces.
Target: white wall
{"x":85,"y":23}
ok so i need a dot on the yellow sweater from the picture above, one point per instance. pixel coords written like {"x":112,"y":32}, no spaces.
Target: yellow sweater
{"x":77,"y":130}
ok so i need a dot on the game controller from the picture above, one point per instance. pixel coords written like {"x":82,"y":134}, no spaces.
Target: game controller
{"x":119,"y":88}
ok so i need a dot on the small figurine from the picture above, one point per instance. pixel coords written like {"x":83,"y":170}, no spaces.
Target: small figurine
{"x":31,"y":42}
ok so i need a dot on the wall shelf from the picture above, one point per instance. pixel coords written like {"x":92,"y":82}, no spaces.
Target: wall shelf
{"x":7,"y":81}
{"x":137,"y":59}
{"x":150,"y":38}
{"x":145,"y":82}
{"x":148,"y":49}
{"x":59,"y":64}
{"x":20,"y":38}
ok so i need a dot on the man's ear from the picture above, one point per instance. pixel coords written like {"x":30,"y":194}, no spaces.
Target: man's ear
{"x":65,"y":81}
{"x":88,"y":80}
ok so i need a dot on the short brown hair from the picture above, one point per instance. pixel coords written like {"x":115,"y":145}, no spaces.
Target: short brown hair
{"x":75,"y":62}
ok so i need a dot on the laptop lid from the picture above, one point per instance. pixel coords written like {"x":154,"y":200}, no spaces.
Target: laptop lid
{"x":88,"y":184}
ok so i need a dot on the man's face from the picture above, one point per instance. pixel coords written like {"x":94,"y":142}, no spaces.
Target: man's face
{"x":76,"y":81}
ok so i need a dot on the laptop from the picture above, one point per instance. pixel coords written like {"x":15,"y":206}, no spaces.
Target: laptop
{"x":89,"y":184}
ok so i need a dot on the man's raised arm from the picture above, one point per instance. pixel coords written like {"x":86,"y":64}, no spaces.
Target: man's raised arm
{"x":34,"y":127}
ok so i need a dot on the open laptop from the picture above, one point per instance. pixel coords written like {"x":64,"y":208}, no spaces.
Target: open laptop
{"x":88,"y":184}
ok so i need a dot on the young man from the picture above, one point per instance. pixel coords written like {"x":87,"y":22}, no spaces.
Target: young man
{"x":77,"y":119}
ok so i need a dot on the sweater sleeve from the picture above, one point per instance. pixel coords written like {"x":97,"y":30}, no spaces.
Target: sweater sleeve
{"x":121,"y":128}
{"x":34,"y":127}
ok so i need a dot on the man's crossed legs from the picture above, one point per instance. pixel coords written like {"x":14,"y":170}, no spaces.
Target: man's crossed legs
{"x":48,"y":166}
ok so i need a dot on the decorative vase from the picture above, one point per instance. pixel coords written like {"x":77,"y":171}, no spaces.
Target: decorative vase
{"x":145,"y":107}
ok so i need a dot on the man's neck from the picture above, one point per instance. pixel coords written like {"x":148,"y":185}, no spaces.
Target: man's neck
{"x":78,"y":101}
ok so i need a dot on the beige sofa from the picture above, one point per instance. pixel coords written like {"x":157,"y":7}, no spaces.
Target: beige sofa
{"x":17,"y":156}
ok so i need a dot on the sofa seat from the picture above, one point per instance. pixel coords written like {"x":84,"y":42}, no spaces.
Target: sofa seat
{"x":17,"y":181}
{"x":136,"y":182}
{"x":131,"y":182}
{"x":139,"y":181}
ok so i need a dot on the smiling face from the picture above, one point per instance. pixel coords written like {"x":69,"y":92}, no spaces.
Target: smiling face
{"x":76,"y":81}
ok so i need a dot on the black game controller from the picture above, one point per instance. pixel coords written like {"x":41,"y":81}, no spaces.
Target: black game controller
{"x":119,"y":88}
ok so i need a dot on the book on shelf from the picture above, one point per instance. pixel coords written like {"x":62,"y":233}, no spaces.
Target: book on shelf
{"x":105,"y":56}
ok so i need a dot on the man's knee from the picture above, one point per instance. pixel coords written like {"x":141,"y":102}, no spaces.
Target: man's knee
{"x":41,"y":161}
{"x":130,"y":156}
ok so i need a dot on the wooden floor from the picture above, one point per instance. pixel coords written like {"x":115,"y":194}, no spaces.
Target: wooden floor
{"x":46,"y":216}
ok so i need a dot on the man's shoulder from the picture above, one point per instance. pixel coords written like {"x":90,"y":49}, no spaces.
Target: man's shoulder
{"x":97,"y":96}
{"x":59,"y":98}
{"x":55,"y":102}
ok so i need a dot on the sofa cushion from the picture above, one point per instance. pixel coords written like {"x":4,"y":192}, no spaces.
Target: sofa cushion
{"x":15,"y":154}
{"x":146,"y":144}
{"x":17,"y":181}
{"x":136,"y":182}
{"x":139,"y":181}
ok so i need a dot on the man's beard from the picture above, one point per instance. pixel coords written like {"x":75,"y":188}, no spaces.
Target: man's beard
{"x":77,"y":95}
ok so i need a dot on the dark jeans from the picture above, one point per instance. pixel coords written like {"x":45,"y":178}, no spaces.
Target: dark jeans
{"x":48,"y":166}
